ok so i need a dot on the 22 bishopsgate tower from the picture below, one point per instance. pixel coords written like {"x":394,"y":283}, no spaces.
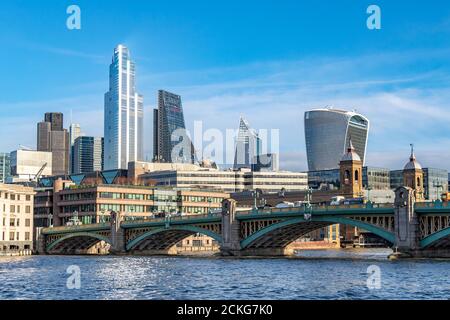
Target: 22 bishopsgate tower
{"x":123,"y":126}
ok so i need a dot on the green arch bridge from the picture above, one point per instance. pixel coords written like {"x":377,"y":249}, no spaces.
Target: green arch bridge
{"x":412,"y":229}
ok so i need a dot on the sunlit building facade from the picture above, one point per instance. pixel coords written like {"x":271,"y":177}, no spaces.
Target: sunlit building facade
{"x":170,"y":140}
{"x":248,"y":146}
{"x":124,"y":116}
{"x":327,"y":133}
{"x":5,"y":167}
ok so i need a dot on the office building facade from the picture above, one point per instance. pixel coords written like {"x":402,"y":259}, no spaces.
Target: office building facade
{"x":94,"y":204}
{"x":124,"y":115}
{"x":376,"y":178}
{"x":171,"y":142}
{"x":372,"y":178}
{"x":248,"y":146}
{"x":229,"y":180}
{"x":87,"y":155}
{"x":327,"y":133}
{"x":266,"y":162}
{"x":16,"y":219}
{"x":435,"y":183}
{"x":56,"y":120}
{"x":74,"y":132}
{"x":52,"y":137}
{"x":26,"y":164}
{"x":5,"y":167}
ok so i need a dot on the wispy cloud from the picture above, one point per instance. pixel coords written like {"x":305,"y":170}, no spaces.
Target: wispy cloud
{"x":404,"y":106}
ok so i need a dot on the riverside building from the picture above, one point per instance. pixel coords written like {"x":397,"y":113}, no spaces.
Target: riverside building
{"x":16,"y":219}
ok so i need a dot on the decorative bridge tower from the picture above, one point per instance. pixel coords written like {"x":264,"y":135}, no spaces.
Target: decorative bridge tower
{"x":413,"y":176}
{"x":351,"y":173}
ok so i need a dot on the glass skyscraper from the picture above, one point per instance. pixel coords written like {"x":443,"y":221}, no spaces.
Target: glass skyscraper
{"x":5,"y":167}
{"x":74,"y":133}
{"x":327,"y":133}
{"x":248,"y":146}
{"x":87,"y":155}
{"x":169,"y":131}
{"x":124,"y":116}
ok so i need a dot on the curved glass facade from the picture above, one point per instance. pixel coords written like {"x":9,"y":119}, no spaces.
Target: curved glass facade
{"x":327,"y":132}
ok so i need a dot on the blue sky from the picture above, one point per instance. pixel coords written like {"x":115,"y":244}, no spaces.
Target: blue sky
{"x":267,"y":60}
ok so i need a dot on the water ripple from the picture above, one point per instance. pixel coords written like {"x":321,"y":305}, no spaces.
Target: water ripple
{"x":315,"y":275}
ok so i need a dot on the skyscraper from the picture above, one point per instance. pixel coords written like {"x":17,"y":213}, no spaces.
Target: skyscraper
{"x":328,"y":132}
{"x":74,"y":133}
{"x":168,"y":125}
{"x":5,"y":167}
{"x":87,"y":154}
{"x":124,"y":116}
{"x":52,"y":137}
{"x":248,"y":146}
{"x":55,"y":119}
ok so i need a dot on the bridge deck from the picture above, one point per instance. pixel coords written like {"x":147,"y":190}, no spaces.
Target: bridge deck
{"x":424,"y":208}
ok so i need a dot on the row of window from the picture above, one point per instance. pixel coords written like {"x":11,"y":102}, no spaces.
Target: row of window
{"x":15,"y":236}
{"x":14,"y":197}
{"x":13,"y":222}
{"x":16,"y":209}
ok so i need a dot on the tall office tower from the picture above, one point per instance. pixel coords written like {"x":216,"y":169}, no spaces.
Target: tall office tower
{"x":87,"y":154}
{"x":43,"y":136}
{"x":56,"y":120}
{"x":52,"y":137}
{"x":155,"y":135}
{"x":74,"y":133}
{"x":5,"y":167}
{"x":248,"y":146}
{"x":328,"y":132}
{"x":124,"y":115}
{"x":168,"y":125}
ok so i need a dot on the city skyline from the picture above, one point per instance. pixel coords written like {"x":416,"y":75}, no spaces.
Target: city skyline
{"x":393,"y":84}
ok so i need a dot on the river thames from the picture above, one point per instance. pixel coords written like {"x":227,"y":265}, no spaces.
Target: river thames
{"x":325,"y":274}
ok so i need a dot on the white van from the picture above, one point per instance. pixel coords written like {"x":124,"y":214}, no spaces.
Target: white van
{"x":284,"y":204}
{"x":337,"y":200}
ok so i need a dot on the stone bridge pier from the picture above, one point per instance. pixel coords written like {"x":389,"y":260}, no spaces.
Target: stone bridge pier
{"x":231,"y":237}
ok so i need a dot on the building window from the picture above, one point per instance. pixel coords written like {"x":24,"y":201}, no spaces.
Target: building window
{"x":356,"y":175}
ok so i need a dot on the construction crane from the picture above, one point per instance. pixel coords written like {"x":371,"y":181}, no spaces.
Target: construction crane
{"x":36,"y":177}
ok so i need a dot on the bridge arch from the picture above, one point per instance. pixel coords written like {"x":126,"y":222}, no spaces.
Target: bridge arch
{"x":436,"y":238}
{"x":180,"y":232}
{"x":319,"y":222}
{"x":90,"y":239}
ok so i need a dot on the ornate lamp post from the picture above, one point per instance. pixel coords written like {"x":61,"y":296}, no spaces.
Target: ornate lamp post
{"x":50,"y":220}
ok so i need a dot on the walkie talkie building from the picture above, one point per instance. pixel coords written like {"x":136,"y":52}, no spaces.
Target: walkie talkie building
{"x":327,"y":132}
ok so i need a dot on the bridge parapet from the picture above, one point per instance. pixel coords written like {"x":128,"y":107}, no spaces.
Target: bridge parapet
{"x":68,"y":229}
